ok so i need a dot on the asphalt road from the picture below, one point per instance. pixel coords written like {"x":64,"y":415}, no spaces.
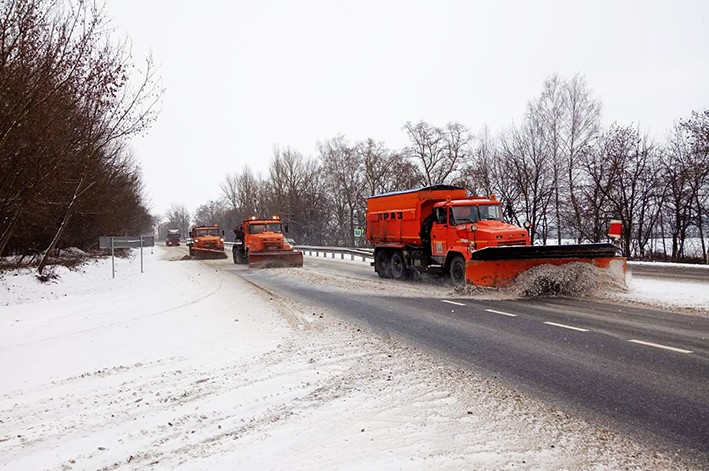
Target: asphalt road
{"x":640,"y":370}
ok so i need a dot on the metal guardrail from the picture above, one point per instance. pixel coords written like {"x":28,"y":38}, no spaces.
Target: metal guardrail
{"x":342,"y":251}
{"x":309,"y":250}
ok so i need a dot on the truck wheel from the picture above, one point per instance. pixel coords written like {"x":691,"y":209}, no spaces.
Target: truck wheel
{"x":456,"y":270}
{"x":240,"y":257}
{"x":398,"y":266}
{"x":382,"y":263}
{"x":191,"y":251}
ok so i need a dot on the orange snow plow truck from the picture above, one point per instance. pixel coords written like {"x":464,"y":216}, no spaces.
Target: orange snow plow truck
{"x":207,"y":242}
{"x":441,"y":228}
{"x":261,"y":244}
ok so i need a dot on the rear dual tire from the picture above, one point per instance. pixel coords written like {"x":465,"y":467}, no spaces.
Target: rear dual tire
{"x":391,"y":264}
{"x":382,"y":263}
{"x":399,"y":270}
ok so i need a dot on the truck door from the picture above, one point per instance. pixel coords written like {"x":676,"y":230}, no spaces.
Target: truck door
{"x":439,"y":232}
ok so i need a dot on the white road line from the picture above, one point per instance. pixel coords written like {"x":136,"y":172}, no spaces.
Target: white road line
{"x":501,"y":313}
{"x":657,"y":345}
{"x":566,"y":326}
{"x":452,"y":302}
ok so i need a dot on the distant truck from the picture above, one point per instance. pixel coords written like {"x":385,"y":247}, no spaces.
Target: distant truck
{"x":172,"y":239}
{"x":441,"y":228}
{"x":207,"y":241}
{"x":261,"y":243}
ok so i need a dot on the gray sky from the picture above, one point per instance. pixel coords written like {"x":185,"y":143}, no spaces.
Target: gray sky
{"x":241,"y":77}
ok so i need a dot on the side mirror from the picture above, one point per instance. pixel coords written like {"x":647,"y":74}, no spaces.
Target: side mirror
{"x":285,"y":228}
{"x":527,"y":224}
{"x":222,"y":232}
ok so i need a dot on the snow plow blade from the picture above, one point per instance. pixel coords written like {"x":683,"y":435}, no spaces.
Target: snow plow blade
{"x":499,"y":266}
{"x":275,"y":259}
{"x":209,"y":253}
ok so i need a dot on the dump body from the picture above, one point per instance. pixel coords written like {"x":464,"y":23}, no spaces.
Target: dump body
{"x":262,"y":244}
{"x":172,"y":239}
{"x":396,"y":218}
{"x":207,"y":241}
{"x":443,"y":229}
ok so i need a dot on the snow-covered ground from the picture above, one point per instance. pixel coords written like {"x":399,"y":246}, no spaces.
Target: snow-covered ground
{"x":187,"y":366}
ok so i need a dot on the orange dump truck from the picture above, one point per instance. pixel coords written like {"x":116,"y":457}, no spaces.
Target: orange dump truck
{"x":207,"y":241}
{"x":261,"y":243}
{"x":442,"y":228}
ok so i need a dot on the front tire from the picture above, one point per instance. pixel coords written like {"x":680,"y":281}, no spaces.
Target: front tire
{"x":456,"y":269}
{"x":239,"y":256}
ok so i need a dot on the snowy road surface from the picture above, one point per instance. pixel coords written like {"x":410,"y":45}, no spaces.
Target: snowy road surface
{"x":188,"y":367}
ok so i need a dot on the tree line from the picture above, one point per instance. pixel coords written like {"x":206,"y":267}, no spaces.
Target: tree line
{"x":68,"y":106}
{"x":558,"y":170}
{"x":69,"y":103}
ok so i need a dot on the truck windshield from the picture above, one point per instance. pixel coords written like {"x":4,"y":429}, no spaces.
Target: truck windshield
{"x":490,"y":211}
{"x":205,"y":232}
{"x":259,"y":228}
{"x":173,"y":236}
{"x":475,"y":213}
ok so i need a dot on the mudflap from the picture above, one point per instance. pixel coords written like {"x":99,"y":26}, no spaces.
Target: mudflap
{"x":275,"y":259}
{"x":499,"y":266}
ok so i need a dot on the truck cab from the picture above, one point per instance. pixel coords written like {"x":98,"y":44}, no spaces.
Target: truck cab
{"x":207,"y":240}
{"x":262,"y":243}
{"x":173,"y":238}
{"x":463,"y":226}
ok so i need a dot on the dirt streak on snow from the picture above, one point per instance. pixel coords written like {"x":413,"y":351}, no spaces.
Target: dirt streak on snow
{"x":187,"y":366}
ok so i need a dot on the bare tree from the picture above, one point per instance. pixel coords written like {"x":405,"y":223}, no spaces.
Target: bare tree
{"x":179,"y":218}
{"x":548,"y":112}
{"x":568,"y":120}
{"x":381,"y":169}
{"x":526,"y":176}
{"x":210,"y":213}
{"x":230,"y":190}
{"x":296,"y":192}
{"x":698,"y":167}
{"x":583,"y":115}
{"x":437,"y":152}
{"x":250,"y":193}
{"x":630,"y":187}
{"x":343,"y":171}
{"x":67,"y":106}
{"x":478,"y":170}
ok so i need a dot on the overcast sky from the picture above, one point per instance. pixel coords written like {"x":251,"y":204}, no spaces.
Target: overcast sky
{"x":241,"y":77}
